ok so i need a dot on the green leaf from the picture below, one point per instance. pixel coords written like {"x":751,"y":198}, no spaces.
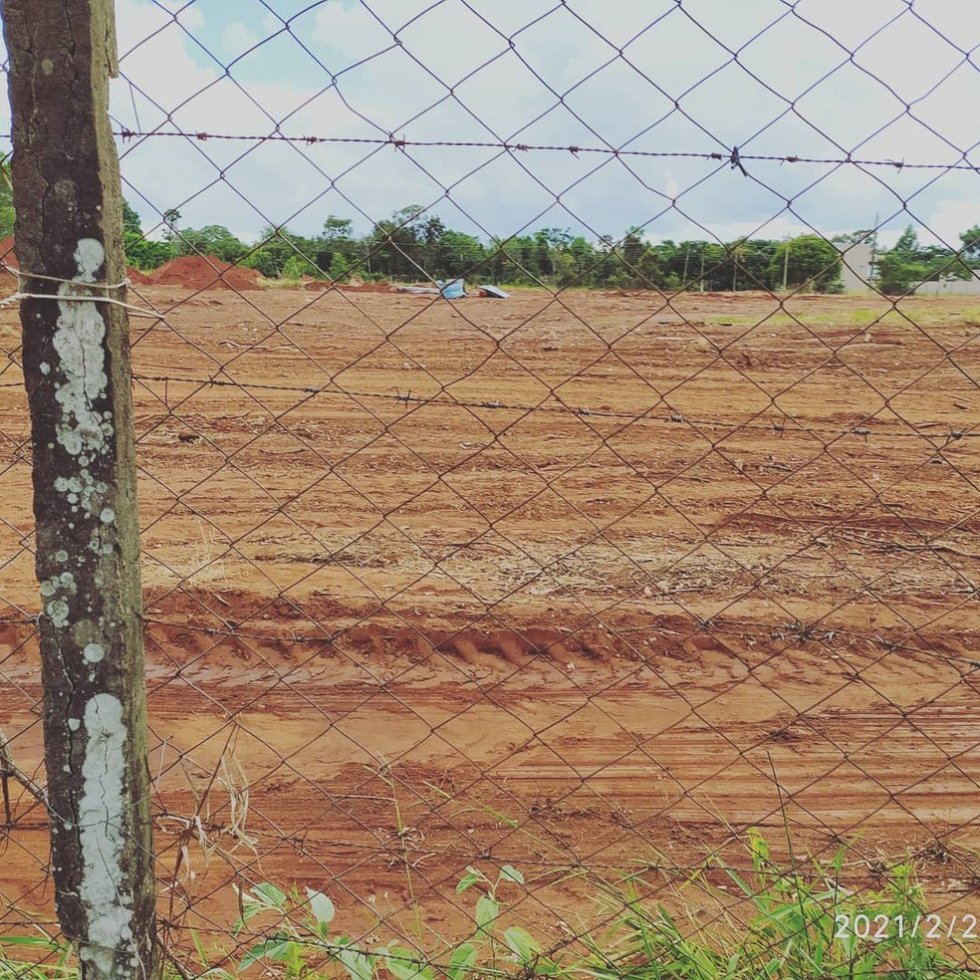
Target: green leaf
{"x":462,"y":961}
{"x":282,"y":948}
{"x":267,"y":949}
{"x":405,"y":965}
{"x":250,"y":910}
{"x":509,"y":873}
{"x":520,"y":942}
{"x":468,"y":880}
{"x":265,"y":893}
{"x":358,"y":966}
{"x":35,"y":941}
{"x":202,"y":953}
{"x":487,"y":910}
{"x":322,"y":908}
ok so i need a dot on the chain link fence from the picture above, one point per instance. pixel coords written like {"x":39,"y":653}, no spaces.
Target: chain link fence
{"x":647,"y":584}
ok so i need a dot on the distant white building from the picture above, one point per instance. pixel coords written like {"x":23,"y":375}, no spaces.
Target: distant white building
{"x":858,"y":275}
{"x":857,"y":267}
{"x":950,"y":287}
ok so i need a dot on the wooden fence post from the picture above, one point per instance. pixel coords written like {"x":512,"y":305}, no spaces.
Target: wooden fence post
{"x":68,"y":238}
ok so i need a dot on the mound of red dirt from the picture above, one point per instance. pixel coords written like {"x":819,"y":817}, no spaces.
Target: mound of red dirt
{"x":136,"y":277}
{"x":204,"y":272}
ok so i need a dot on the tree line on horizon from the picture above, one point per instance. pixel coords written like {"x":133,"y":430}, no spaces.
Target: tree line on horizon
{"x":412,"y":246}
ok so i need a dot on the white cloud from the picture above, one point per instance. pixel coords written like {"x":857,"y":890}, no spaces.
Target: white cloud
{"x":818,"y":78}
{"x":237,"y":38}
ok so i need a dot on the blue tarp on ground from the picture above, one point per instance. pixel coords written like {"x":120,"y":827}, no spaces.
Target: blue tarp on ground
{"x":451,"y":288}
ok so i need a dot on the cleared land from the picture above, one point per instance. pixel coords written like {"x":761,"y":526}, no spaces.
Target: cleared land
{"x":560,"y":583}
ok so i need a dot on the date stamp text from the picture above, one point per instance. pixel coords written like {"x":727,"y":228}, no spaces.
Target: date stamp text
{"x":879,"y":928}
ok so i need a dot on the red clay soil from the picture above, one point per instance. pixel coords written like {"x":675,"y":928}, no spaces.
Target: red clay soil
{"x":354,"y":285}
{"x":359,"y":287}
{"x":627,"y":579}
{"x":321,"y":285}
{"x":136,"y":276}
{"x":368,"y":287}
{"x":204,"y":272}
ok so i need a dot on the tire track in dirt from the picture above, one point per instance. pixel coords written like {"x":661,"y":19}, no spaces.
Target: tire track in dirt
{"x":582,"y":637}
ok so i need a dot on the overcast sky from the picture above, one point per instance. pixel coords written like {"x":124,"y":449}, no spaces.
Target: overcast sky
{"x":878,"y":79}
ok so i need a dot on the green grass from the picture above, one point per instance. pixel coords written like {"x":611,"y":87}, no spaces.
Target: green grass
{"x":771,"y":923}
{"x":793,"y":924}
{"x":847,"y":315}
{"x":35,"y":958}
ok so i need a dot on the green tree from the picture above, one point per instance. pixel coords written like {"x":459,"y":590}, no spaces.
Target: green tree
{"x":141,"y":252}
{"x":294,"y":268}
{"x":908,"y":243}
{"x":650,"y":274}
{"x":755,"y":264}
{"x":214,"y":240}
{"x":431,"y":230}
{"x":506,"y":261}
{"x":579,"y":264}
{"x":637,"y":263}
{"x":171,"y":217}
{"x":809,"y":261}
{"x":131,"y":220}
{"x":396,"y":245}
{"x":276,"y":246}
{"x":683,"y":262}
{"x":970,"y":240}
{"x":454,"y":254}
{"x":339,"y":270}
{"x":337,"y":229}
{"x":909,"y":263}
{"x":630,"y":252}
{"x":940,"y":262}
{"x":145,"y":254}
{"x":336,"y":251}
{"x":737,"y":252}
{"x":969,"y":255}
{"x":516,"y":260}
{"x":897,"y":274}
{"x":869,"y":235}
{"x":541,"y":256}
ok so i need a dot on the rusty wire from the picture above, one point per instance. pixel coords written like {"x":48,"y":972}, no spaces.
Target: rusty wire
{"x":284,"y":636}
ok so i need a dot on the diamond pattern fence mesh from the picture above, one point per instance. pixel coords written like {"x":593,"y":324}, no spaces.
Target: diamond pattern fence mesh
{"x":647,"y":588}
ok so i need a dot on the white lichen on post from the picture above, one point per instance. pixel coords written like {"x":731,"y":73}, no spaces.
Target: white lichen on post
{"x":93,"y":653}
{"x":79,"y":340}
{"x":84,"y":431}
{"x":81,"y":428}
{"x":101,"y":812}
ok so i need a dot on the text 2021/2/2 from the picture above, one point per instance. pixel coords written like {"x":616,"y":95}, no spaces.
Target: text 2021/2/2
{"x":878,"y":928}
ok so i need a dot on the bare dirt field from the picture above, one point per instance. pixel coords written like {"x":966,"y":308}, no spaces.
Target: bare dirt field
{"x":595,"y":582}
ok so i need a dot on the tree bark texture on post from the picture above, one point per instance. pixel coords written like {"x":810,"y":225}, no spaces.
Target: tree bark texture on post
{"x":76,"y":366}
